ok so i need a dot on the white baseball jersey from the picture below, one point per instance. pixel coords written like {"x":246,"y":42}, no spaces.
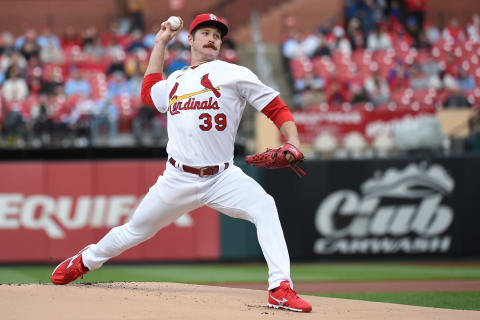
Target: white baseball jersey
{"x":204,"y":106}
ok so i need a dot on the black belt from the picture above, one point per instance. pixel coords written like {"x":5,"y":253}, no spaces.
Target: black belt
{"x":203,"y":171}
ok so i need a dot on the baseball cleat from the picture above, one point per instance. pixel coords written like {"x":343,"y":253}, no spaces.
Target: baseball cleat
{"x":286,"y":298}
{"x":70,"y":269}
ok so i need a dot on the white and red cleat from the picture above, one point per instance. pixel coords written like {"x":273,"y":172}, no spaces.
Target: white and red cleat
{"x":286,"y":298}
{"x":70,"y":269}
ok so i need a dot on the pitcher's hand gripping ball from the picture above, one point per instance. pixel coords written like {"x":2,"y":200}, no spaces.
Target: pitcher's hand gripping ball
{"x":287,"y":155}
{"x":174,"y":23}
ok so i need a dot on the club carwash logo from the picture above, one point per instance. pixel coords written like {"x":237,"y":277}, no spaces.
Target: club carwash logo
{"x":398,"y":211}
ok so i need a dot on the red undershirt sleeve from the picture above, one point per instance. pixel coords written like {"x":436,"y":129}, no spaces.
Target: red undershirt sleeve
{"x":147,"y":84}
{"x":278,"y":112}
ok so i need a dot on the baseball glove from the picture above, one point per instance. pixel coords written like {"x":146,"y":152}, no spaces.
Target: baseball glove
{"x":277,"y":158}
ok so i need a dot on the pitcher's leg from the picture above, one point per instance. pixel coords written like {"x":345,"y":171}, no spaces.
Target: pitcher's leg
{"x":239,"y":196}
{"x":151,"y":215}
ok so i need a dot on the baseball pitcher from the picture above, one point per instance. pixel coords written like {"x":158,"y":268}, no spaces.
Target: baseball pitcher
{"x":204,"y":104}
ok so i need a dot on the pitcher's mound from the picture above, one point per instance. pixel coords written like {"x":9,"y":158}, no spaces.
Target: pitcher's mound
{"x":138,"y":300}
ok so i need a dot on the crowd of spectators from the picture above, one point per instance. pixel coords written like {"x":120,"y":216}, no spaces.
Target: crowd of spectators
{"x":385,"y":52}
{"x":82,"y":88}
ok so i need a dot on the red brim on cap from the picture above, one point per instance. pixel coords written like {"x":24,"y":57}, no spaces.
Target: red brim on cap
{"x":209,"y":19}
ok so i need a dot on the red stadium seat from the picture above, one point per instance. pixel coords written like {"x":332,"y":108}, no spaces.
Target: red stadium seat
{"x":323,"y":67}
{"x":299,"y":68}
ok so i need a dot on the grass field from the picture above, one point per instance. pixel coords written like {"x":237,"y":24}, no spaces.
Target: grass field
{"x":230,"y":273}
{"x":469,"y":300}
{"x":209,"y":273}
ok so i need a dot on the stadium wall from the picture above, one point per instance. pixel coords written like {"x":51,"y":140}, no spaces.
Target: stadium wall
{"x":362,"y":208}
{"x":412,"y":207}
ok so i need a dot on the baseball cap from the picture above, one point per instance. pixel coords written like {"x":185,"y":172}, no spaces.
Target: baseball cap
{"x":206,"y":19}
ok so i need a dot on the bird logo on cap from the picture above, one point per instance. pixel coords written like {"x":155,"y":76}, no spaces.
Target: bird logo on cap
{"x":213,"y":17}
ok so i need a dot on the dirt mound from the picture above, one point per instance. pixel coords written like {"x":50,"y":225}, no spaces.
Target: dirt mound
{"x":181,"y":301}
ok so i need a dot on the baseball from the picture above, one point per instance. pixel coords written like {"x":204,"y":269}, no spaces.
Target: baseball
{"x":174,"y":22}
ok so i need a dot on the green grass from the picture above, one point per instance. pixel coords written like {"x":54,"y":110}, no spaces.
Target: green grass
{"x":209,"y":273}
{"x":468,"y":300}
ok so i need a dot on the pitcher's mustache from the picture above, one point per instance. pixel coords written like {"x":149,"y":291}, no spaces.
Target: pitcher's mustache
{"x":209,"y":45}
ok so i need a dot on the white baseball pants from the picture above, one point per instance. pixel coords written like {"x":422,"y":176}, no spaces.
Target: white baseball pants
{"x":175,"y":193}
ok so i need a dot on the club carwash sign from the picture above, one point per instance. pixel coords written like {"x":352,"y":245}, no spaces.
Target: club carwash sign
{"x":397,"y":211}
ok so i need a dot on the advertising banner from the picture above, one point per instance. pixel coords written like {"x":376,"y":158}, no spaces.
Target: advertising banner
{"x":341,"y":121}
{"x":380,"y":207}
{"x":50,"y":210}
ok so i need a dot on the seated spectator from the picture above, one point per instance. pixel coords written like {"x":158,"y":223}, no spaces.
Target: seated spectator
{"x":430,"y":66}
{"x":310,"y":81}
{"x":35,"y":84}
{"x":465,"y":81}
{"x":135,"y":83}
{"x":179,"y":59}
{"x":77,"y":85}
{"x":418,"y":79}
{"x":13,"y":59}
{"x":370,"y":16}
{"x":309,"y":91}
{"x":355,"y":35}
{"x":6,"y":43}
{"x":453,"y":31}
{"x":292,"y":47}
{"x":416,"y":11}
{"x":309,"y":44}
{"x":473,"y":28}
{"x":395,"y":14}
{"x":398,"y":77}
{"x":105,"y":114}
{"x":359,"y":94}
{"x":34,"y":68}
{"x":88,"y":37}
{"x":80,"y":118}
{"x":113,"y":33}
{"x":114,"y":49}
{"x":135,"y":64}
{"x":117,"y":85}
{"x":95,"y":49}
{"x":137,"y":42}
{"x":50,"y":53}
{"x":336,"y":92}
{"x":400,"y":37}
{"x":14,"y":125}
{"x":117,"y":65}
{"x":377,"y":89}
{"x":432,"y":33}
{"x":42,"y":127}
{"x":414,"y":30}
{"x":149,"y":39}
{"x":444,"y":82}
{"x":322,"y":49}
{"x":60,"y":112}
{"x":70,"y":38}
{"x":182,"y":37}
{"x":52,"y":79}
{"x":15,"y":88}
{"x":48,"y":38}
{"x":28,"y":34}
{"x":379,"y":39}
{"x":30,"y":49}
{"x":341,"y":42}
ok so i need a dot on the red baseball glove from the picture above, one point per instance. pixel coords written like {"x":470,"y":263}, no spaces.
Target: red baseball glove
{"x":277,"y":158}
